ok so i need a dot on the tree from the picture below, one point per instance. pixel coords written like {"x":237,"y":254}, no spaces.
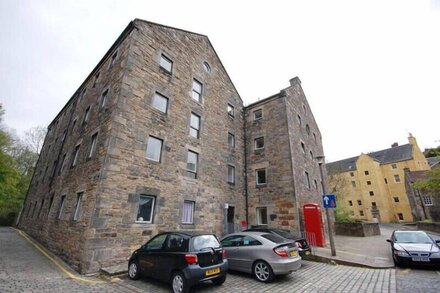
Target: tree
{"x":432,"y":152}
{"x":431,"y":184}
{"x":338,"y":184}
{"x":34,"y":138}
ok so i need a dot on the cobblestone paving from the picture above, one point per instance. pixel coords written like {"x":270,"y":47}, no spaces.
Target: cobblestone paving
{"x":25,"y":269}
{"x":312,"y":277}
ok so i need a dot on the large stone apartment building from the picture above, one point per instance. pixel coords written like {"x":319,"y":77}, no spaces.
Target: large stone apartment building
{"x":157,"y":138}
{"x":372,"y":186}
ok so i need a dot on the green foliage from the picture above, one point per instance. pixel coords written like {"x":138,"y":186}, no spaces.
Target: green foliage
{"x":433,"y":152}
{"x":343,"y":214}
{"x":431,"y":184}
{"x":17,"y":163}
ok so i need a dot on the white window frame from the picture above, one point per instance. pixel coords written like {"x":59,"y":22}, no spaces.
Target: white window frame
{"x":231,"y":175}
{"x":255,"y":143}
{"x":87,"y":114}
{"x":113,"y":59}
{"x":427,"y":200}
{"x":197,"y":96}
{"x":195,"y":128}
{"x":194,"y":171}
{"x":166,"y":61}
{"x":259,"y":216}
{"x":160,"y":96}
{"x":149,"y":221}
{"x":188,"y":218}
{"x":150,"y":141}
{"x":231,"y":110}
{"x":255,"y":116}
{"x":397,"y":178}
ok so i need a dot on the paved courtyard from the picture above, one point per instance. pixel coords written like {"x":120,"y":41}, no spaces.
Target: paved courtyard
{"x":23,"y":268}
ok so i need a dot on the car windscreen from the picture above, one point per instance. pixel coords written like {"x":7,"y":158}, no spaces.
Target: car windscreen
{"x":203,"y":242}
{"x":411,"y":237}
{"x":274,"y":238}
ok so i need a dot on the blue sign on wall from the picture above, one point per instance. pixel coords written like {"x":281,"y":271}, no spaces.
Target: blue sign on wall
{"x":329,"y":201}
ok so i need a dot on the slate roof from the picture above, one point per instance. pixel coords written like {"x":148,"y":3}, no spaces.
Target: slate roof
{"x":387,"y":156}
{"x":432,"y":161}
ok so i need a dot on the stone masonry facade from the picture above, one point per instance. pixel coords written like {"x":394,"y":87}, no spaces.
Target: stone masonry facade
{"x":155,"y":139}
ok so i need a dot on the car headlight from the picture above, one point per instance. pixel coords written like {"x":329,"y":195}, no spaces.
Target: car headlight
{"x":401,"y":253}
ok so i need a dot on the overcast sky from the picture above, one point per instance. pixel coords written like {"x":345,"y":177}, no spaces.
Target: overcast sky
{"x":370,"y":69}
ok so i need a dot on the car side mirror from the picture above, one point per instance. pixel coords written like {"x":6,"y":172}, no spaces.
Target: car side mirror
{"x":389,"y":240}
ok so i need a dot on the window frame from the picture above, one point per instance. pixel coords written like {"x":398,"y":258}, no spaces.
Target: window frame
{"x":160,"y":96}
{"x":397,"y":178}
{"x":104,"y":97}
{"x":166,"y":58}
{"x":75,"y":155}
{"x":231,"y":140}
{"x":307,"y":180}
{"x":61,"y":206}
{"x":153,"y":206}
{"x":78,"y":206}
{"x":259,"y":216}
{"x":93,"y":145}
{"x":255,"y":143}
{"x":151,"y":145}
{"x":113,"y":59}
{"x":260,"y":111}
{"x":193,"y":128}
{"x":87,"y":114}
{"x":231,"y":111}
{"x":256,"y":177}
{"x":196,"y":165}
{"x":231,"y":180}
{"x":194,"y":91}
{"x":193,"y":205}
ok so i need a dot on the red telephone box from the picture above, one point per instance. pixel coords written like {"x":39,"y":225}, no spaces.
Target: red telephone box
{"x":313,"y":224}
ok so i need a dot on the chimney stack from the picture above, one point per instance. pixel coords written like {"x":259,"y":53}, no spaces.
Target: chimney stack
{"x":394,"y":145}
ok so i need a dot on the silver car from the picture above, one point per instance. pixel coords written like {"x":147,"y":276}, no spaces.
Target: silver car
{"x":262,"y":254}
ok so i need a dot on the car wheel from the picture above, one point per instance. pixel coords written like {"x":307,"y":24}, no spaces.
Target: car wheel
{"x":179,"y":283}
{"x":219,"y":281}
{"x":133,"y":270}
{"x":263,"y":272}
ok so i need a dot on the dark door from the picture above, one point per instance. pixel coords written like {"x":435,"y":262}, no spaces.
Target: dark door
{"x":231,"y":212}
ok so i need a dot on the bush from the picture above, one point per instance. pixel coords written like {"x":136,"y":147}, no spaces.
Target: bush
{"x":343,"y":215}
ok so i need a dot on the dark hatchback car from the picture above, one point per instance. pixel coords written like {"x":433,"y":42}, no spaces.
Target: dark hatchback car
{"x":303,"y":247}
{"x":180,"y":258}
{"x":414,"y":248}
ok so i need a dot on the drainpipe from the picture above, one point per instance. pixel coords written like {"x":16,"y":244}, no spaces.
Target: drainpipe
{"x":245,"y":171}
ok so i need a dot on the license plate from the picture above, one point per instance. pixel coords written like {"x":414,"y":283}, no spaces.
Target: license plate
{"x":425,"y":259}
{"x":212,"y":272}
{"x":307,"y":252}
{"x":293,"y":253}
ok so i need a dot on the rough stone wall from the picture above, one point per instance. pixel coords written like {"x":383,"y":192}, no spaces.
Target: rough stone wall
{"x":303,"y":159}
{"x":285,"y":192}
{"x":65,"y":236}
{"x":129,"y":174}
{"x":278,"y":194}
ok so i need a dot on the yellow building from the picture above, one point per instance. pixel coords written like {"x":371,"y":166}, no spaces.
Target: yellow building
{"x":373,"y":185}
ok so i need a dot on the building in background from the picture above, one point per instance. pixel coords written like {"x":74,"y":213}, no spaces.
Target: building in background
{"x":374,"y":183}
{"x":154,"y":140}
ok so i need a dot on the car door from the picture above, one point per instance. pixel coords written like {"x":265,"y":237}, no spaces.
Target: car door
{"x":150,"y":255}
{"x":172,"y":255}
{"x":247,"y":253}
{"x":231,"y":245}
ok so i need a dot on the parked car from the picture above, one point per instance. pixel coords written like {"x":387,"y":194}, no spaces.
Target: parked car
{"x":303,"y":247}
{"x":180,"y":258}
{"x":262,"y":254}
{"x":414,"y":247}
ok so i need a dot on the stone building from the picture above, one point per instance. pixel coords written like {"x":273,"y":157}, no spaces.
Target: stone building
{"x":372,"y":186}
{"x":283,"y":141}
{"x":154,"y":140}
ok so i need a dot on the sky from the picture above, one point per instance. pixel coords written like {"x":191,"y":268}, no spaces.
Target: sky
{"x":370,"y":69}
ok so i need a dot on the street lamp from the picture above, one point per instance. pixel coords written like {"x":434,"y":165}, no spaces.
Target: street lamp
{"x":321,"y":161}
